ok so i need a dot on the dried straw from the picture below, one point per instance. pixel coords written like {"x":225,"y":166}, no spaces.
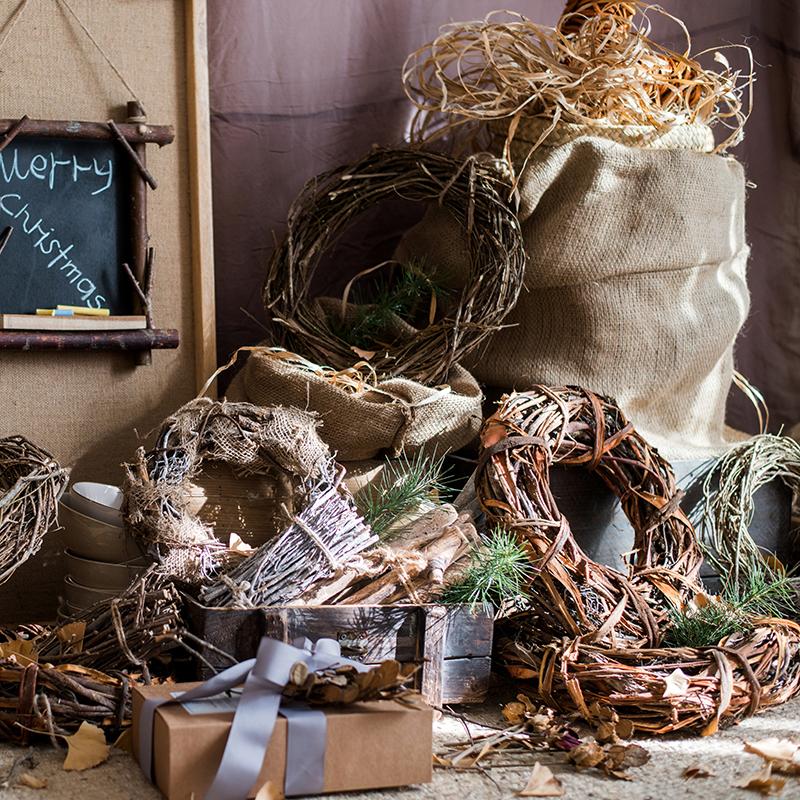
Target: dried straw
{"x":592,"y":638}
{"x":473,"y":191}
{"x":31,"y":481}
{"x":598,"y":66}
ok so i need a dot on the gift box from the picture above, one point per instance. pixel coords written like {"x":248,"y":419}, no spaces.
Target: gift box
{"x":181,"y":735}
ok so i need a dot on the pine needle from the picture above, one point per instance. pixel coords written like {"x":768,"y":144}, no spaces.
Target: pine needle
{"x":405,"y":483}
{"x":499,"y":574}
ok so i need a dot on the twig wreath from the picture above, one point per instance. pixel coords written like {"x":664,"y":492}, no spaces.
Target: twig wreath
{"x":473,"y":191}
{"x":31,"y":482}
{"x":591,"y":638}
{"x":254,"y":440}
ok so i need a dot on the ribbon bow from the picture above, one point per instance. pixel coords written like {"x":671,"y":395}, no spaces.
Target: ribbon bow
{"x":263,"y":678}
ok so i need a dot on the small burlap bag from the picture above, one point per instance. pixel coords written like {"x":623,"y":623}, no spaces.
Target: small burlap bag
{"x":396,"y":414}
{"x":635,"y":285}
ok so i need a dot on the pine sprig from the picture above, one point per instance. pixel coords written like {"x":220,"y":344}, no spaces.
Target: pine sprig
{"x":404,"y":484}
{"x":499,"y":574}
{"x":761,"y":592}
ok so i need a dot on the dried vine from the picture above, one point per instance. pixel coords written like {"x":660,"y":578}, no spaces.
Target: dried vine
{"x":472,"y":191}
{"x":591,"y":637}
{"x":31,"y":482}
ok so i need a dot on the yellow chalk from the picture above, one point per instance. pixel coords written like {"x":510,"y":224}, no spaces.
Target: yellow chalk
{"x":86,"y":311}
{"x":44,"y":312}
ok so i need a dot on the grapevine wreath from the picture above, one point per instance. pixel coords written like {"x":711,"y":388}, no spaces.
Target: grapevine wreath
{"x":592,"y":639}
{"x":474,"y":191}
{"x":31,"y":482}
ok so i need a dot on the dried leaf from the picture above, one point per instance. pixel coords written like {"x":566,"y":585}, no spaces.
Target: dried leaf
{"x":763,"y":782}
{"x":125,"y":741}
{"x":71,"y":635}
{"x":514,"y":712}
{"x":22,"y":650}
{"x":237,"y":545}
{"x":586,"y":755}
{"x":773,"y":749}
{"x":87,"y":748}
{"x":625,"y":729}
{"x":606,"y":732}
{"x":267,"y":792}
{"x":542,"y":783}
{"x":676,"y":684}
{"x":697,"y":770}
{"x":625,"y":756}
{"x":31,"y":781}
{"x":365,"y":354}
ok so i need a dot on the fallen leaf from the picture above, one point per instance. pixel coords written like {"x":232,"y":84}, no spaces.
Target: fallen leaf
{"x":514,"y":712}
{"x":71,"y":636}
{"x":542,"y":783}
{"x":365,"y":354}
{"x":625,"y":756}
{"x":22,"y":650}
{"x":676,"y":684}
{"x":763,"y":782}
{"x":773,"y":749}
{"x":125,"y":741}
{"x":586,"y":755}
{"x":697,"y":771}
{"x":31,"y":781}
{"x":87,"y":748}
{"x":267,"y":792}
{"x":624,"y":729}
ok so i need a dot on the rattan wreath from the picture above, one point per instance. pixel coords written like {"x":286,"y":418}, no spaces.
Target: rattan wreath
{"x":31,"y":482}
{"x":473,"y":191}
{"x":254,"y":440}
{"x":592,"y":637}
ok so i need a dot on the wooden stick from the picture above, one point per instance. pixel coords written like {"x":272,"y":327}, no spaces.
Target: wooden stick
{"x":9,"y":135}
{"x":5,"y":235}
{"x":151,"y":181}
{"x":70,"y":129}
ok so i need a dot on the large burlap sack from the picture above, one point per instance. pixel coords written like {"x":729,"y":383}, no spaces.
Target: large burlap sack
{"x":635,"y":285}
{"x":396,"y":415}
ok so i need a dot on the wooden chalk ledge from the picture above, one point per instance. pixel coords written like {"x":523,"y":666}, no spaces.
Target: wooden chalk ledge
{"x":130,"y":341}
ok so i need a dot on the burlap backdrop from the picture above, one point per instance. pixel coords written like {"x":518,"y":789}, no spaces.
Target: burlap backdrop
{"x":635,"y":285}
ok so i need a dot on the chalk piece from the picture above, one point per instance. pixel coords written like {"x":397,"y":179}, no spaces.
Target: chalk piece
{"x":85,"y":311}
{"x":45,"y":312}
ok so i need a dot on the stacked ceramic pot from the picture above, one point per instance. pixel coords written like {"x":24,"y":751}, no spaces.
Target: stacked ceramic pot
{"x":102,"y":559}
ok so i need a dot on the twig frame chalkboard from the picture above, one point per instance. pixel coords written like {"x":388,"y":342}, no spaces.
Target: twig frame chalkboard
{"x":52,"y":156}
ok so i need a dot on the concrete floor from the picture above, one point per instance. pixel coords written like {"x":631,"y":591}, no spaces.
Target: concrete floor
{"x":660,"y":779}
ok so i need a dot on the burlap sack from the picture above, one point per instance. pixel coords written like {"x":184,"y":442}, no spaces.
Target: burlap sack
{"x":399,"y":414}
{"x":635,"y":283}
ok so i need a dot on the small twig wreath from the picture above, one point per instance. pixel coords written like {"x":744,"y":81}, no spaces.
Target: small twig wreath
{"x":591,"y":638}
{"x":31,"y":482}
{"x":254,"y":440}
{"x":473,"y":191}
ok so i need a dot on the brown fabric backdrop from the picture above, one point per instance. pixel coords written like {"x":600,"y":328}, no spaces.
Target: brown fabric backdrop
{"x":299,"y":86}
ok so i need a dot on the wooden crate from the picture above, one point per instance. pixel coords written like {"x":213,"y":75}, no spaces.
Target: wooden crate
{"x":452,"y":645}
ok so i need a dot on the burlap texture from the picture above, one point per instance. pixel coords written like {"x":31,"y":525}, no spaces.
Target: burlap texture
{"x":635,"y":284}
{"x":399,"y":414}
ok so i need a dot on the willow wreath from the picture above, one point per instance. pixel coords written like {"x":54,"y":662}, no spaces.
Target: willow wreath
{"x":31,"y":482}
{"x":591,"y":638}
{"x":473,"y":191}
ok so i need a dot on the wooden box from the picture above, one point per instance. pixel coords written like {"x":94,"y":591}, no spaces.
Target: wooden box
{"x":451,"y":645}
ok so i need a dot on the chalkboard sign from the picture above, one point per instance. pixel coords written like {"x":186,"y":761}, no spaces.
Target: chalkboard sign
{"x":67,"y":200}
{"x":75,"y":195}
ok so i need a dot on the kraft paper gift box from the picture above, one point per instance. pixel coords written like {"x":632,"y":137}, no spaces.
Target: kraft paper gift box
{"x":369,"y":745}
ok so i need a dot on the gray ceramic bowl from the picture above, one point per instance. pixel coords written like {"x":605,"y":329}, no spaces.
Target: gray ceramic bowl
{"x":97,"y":500}
{"x":79,"y":596}
{"x":102,"y":574}
{"x":91,"y":538}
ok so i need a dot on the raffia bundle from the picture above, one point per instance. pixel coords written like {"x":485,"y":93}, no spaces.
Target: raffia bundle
{"x":592,"y":638}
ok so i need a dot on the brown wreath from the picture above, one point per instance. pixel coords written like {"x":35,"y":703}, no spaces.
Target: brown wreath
{"x":31,"y":482}
{"x":591,"y":639}
{"x":473,"y":191}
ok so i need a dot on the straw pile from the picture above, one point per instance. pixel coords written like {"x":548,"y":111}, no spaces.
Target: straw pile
{"x":592,"y":639}
{"x":598,"y":66}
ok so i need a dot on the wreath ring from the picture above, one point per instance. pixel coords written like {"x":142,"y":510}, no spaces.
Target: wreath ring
{"x":31,"y":483}
{"x":473,"y":191}
{"x":592,"y":638}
